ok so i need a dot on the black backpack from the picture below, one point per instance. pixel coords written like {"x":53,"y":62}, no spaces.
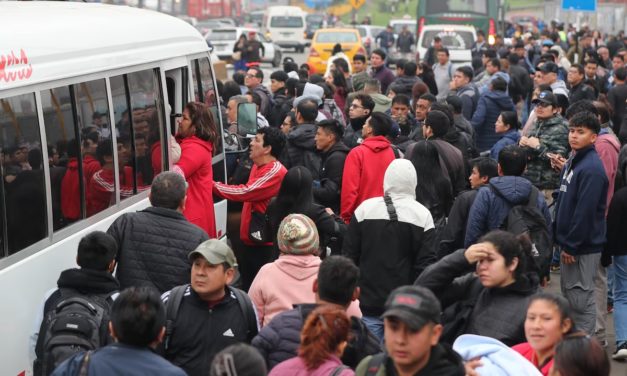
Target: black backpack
{"x":527,"y":218}
{"x":173,"y":306}
{"x":78,"y":323}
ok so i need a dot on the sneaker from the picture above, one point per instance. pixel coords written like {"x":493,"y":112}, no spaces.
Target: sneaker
{"x":555,"y":268}
{"x":610,"y":307}
{"x":621,"y":352}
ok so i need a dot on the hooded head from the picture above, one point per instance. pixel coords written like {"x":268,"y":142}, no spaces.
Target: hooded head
{"x":400,"y":179}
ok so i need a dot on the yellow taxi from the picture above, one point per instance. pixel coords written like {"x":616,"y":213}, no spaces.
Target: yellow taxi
{"x":322,"y":45}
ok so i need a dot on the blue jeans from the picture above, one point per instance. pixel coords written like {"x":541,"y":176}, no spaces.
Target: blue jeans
{"x":375,"y":325}
{"x":610,"y":284}
{"x":620,"y":298}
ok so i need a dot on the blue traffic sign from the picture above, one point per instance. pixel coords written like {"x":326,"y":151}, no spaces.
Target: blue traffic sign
{"x":580,"y":5}
{"x":317,"y":4}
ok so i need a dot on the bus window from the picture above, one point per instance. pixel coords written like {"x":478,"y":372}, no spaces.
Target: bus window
{"x":147,"y":115}
{"x":204,"y":91}
{"x":66,"y":173}
{"x":92,"y":109}
{"x":23,"y":197}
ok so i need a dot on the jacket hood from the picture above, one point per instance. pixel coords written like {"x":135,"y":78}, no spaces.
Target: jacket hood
{"x":88,"y":281}
{"x":299,"y":267}
{"x":400,"y":179}
{"x":469,"y":89}
{"x":514,"y":189}
{"x":376,"y":143}
{"x":303,"y":136}
{"x":513,"y":135}
{"x":381,"y":99}
{"x":406,"y":81}
{"x":500,"y":98}
{"x":559,"y":87}
{"x":338,"y":147}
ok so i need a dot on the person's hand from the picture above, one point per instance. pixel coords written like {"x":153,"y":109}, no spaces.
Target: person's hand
{"x":532,"y":142}
{"x":557,"y":161}
{"x":471,"y":365}
{"x":329,"y":210}
{"x":567,"y":258}
{"x":523,"y":141}
{"x":476,"y":252}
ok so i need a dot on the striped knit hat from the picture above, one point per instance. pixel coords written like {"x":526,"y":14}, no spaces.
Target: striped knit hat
{"x":298,"y":235}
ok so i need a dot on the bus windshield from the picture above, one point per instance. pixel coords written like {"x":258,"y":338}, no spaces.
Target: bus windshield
{"x":456,"y":6}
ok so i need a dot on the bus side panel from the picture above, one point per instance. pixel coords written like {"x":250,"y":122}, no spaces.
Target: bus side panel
{"x":25,"y":285}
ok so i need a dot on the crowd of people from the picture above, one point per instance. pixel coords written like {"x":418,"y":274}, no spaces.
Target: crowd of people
{"x":393,"y":222}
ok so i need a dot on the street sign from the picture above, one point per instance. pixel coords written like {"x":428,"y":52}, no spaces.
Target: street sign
{"x":580,"y":5}
{"x":357,"y":3}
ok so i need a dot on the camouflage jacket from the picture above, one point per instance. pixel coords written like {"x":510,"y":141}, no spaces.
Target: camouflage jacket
{"x":553,"y":135}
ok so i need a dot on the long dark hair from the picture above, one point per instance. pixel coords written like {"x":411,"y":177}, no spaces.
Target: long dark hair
{"x":510,"y":118}
{"x":511,"y":246}
{"x":202,"y":118}
{"x":433,"y":187}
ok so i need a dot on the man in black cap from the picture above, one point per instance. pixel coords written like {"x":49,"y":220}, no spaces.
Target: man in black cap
{"x":549,"y":77}
{"x":412,"y":334}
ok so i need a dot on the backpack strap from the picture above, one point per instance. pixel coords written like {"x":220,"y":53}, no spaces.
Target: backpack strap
{"x":246,"y":305}
{"x":85,"y":364}
{"x":391,"y":209}
{"x":338,"y":370}
{"x":172,"y":311}
{"x":450,"y":71}
{"x":374,"y":364}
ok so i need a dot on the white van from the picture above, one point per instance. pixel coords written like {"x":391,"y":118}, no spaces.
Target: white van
{"x":124,"y":80}
{"x":458,"y":39}
{"x":286,"y":26}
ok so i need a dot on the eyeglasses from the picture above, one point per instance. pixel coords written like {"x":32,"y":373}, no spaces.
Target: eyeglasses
{"x":543,"y":104}
{"x":356,"y":106}
{"x":250,"y":75}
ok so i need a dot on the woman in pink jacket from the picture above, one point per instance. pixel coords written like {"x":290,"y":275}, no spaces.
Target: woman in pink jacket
{"x":197,"y":134}
{"x":289,"y":280}
{"x":323,"y":339}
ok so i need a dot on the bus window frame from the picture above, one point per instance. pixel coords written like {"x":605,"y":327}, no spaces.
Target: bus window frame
{"x":67,"y":231}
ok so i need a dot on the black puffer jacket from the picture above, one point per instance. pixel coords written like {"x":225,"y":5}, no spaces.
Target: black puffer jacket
{"x":327,"y":193}
{"x":279,"y":340}
{"x":495,"y":312}
{"x":153,"y":245}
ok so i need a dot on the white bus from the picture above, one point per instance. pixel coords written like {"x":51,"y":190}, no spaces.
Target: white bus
{"x":69,"y":71}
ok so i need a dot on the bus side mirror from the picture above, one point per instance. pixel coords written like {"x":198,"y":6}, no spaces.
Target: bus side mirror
{"x":247,"y":119}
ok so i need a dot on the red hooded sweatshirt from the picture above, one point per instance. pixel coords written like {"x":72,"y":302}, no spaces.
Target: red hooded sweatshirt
{"x":195,"y":163}
{"x":363,"y":173}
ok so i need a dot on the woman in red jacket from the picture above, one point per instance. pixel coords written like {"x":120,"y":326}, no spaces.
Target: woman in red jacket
{"x":197,"y":135}
{"x":548,"y":321}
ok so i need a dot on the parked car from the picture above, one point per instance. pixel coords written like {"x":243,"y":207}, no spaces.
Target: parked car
{"x":224,"y":39}
{"x":369,"y":35}
{"x":458,"y":39}
{"x":323,"y":42}
{"x":205,"y":26}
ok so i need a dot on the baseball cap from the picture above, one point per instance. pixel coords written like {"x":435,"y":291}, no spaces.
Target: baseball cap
{"x":549,"y":67}
{"x":413,"y":305}
{"x":545,"y":97}
{"x":215,"y":252}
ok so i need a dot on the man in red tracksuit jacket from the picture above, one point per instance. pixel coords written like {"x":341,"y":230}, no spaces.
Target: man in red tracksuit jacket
{"x":366,"y":164}
{"x":264,"y":182}
{"x":70,"y":184}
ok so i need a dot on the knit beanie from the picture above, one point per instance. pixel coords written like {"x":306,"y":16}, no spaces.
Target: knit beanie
{"x":298,"y":235}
